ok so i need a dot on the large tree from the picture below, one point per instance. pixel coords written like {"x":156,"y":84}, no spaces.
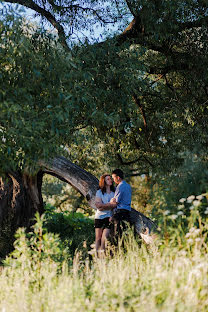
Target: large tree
{"x":137,"y":99}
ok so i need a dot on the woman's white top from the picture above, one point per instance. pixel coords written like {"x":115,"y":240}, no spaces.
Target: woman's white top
{"x":105,"y":198}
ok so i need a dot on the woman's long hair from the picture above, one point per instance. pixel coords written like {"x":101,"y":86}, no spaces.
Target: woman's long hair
{"x":102,"y":184}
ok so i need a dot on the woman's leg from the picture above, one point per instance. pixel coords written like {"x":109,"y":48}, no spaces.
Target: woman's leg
{"x":105,"y":235}
{"x":98,"y":237}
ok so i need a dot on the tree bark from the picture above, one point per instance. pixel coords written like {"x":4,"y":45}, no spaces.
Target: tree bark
{"x":78,"y":178}
{"x":20,"y":199}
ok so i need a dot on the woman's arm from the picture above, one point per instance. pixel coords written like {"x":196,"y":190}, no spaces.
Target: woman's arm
{"x":100,"y":206}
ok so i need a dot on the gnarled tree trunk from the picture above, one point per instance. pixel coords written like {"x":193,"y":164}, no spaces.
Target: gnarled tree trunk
{"x":20,"y":199}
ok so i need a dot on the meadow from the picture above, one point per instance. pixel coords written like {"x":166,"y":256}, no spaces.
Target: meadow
{"x":44,"y":274}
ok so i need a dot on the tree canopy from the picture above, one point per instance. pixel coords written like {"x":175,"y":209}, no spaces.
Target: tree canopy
{"x":137,"y":96}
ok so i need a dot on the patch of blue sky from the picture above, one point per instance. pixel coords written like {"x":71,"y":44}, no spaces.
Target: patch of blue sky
{"x":98,"y":33}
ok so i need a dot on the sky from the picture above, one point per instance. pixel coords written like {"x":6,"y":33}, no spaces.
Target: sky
{"x":35,"y":18}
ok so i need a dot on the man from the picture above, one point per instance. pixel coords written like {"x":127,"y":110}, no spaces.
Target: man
{"x":122,"y":198}
{"x":121,"y":202}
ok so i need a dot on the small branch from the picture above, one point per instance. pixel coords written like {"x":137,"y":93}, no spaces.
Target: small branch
{"x":144,"y":157}
{"x":148,"y":161}
{"x":75,"y":7}
{"x":126,"y":163}
{"x":160,"y":77}
{"x":168,"y":84}
{"x":138,"y":103}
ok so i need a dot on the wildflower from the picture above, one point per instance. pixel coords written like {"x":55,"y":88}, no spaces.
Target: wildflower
{"x":191,"y":207}
{"x":188,"y":235}
{"x":196,"y":231}
{"x":194,"y":273}
{"x":198,"y":239}
{"x":182,"y":200}
{"x":180,"y":206}
{"x":196,"y":203}
{"x":190,"y":241}
{"x":199,"y":197}
{"x":192,"y":229}
{"x":190,"y":199}
{"x":180,"y":213}
{"x":173,"y":217}
{"x":183,"y":253}
{"x":166,"y":212}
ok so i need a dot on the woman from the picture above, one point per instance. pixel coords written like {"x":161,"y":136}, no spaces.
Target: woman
{"x":102,"y":224}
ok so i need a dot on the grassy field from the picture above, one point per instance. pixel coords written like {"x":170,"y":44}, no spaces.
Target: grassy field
{"x":166,"y":276}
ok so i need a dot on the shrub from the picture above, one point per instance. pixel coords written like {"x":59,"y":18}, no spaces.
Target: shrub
{"x":74,"y":229}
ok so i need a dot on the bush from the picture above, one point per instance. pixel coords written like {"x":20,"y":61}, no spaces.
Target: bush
{"x":74,"y":229}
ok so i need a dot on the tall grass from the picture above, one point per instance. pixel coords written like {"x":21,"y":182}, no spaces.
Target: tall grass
{"x":163,"y":277}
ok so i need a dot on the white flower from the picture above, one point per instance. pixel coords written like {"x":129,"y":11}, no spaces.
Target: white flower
{"x":188,"y":235}
{"x":182,"y":200}
{"x":192,"y":229}
{"x":196,"y":231}
{"x":191,"y":207}
{"x":180,"y":213}
{"x":166,"y":212}
{"x":198,"y":239}
{"x":190,"y":199}
{"x":180,"y":206}
{"x":173,"y":217}
{"x":196,"y":203}
{"x":199,"y":197}
{"x":182,"y":253}
{"x":190,"y":241}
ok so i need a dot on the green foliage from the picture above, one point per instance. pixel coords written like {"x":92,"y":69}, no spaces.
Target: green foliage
{"x":33,"y":248}
{"x":64,"y":197}
{"x":74,"y":229}
{"x":83,"y":98}
{"x":31,"y":94}
{"x":179,"y":201}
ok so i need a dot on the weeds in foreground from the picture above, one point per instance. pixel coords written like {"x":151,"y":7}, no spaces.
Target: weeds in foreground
{"x":39,"y":276}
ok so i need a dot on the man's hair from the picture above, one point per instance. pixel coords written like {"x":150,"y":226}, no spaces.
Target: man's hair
{"x":119,"y":173}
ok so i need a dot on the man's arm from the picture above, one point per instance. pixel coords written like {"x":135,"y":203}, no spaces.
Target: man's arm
{"x":100,"y":206}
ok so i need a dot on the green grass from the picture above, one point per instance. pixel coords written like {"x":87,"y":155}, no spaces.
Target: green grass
{"x":163,"y":277}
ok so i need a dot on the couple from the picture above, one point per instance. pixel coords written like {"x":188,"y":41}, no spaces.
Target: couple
{"x":113,"y":207}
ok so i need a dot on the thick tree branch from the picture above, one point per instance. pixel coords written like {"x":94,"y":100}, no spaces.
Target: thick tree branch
{"x":131,"y":9}
{"x":81,"y":180}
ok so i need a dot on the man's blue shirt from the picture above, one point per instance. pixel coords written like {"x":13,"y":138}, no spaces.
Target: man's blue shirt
{"x":123,"y":196}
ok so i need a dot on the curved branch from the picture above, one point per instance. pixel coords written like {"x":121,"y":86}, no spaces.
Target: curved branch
{"x":78,"y":178}
{"x":44,"y":13}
